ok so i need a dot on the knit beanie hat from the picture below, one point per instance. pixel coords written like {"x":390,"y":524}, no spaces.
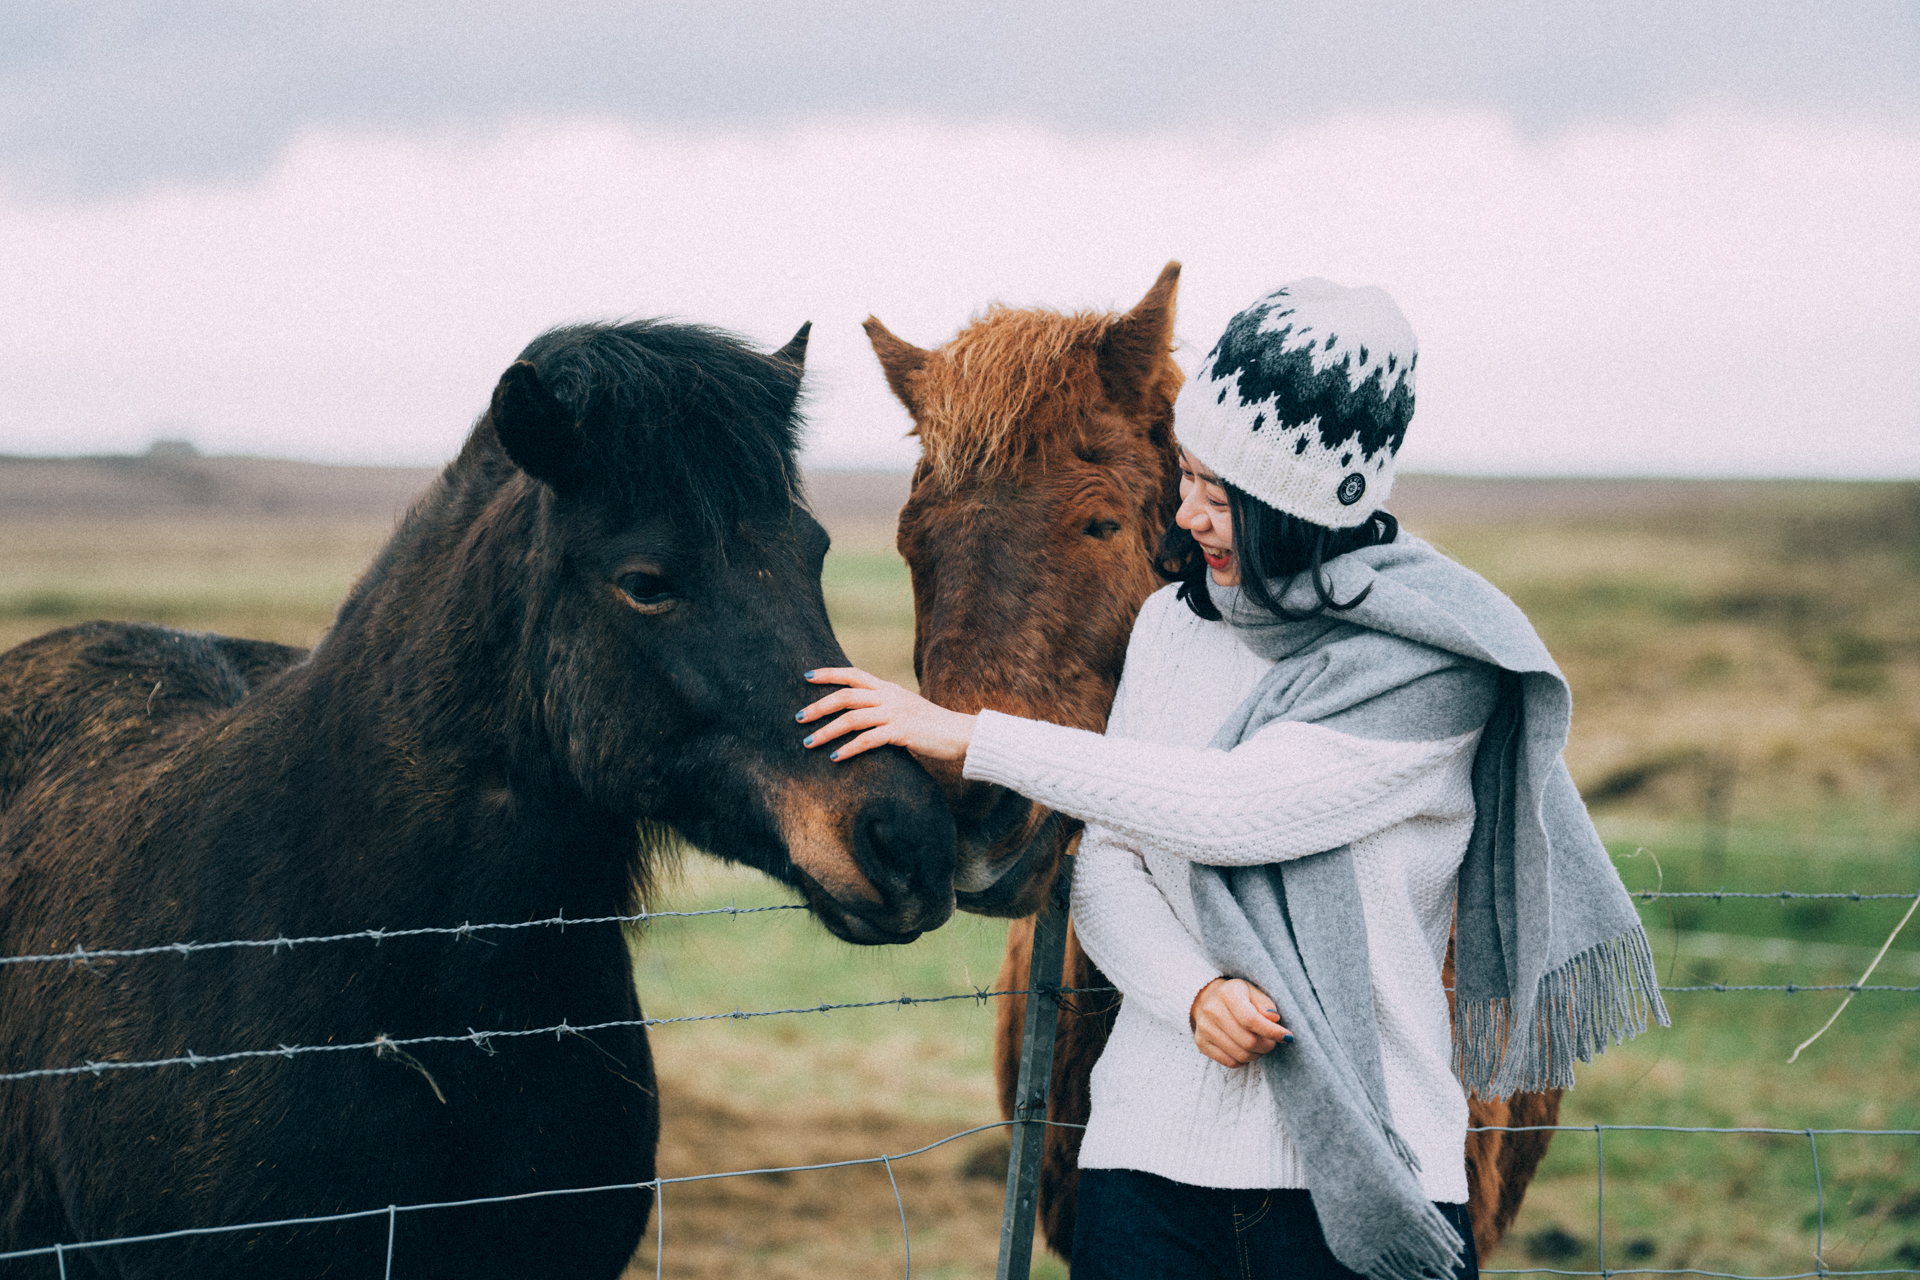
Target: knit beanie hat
{"x":1304,"y":401}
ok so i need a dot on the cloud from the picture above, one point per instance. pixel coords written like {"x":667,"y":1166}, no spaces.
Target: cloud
{"x":1716,"y":293}
{"x":108,"y":95}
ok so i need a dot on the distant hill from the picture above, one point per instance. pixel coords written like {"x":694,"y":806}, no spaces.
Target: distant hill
{"x":173,"y":481}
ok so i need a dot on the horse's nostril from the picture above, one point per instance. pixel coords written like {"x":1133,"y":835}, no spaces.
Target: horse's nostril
{"x":880,"y":854}
{"x":873,"y":833}
{"x":907,"y":854}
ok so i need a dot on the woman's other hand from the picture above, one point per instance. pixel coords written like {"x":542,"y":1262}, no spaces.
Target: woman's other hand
{"x":883,"y":713}
{"x":1235,"y":1022}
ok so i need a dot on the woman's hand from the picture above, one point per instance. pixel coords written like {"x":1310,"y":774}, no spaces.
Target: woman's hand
{"x":1235,"y":1022}
{"x":884,"y":713}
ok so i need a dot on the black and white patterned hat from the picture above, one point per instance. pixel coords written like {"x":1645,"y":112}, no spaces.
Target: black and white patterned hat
{"x":1305,"y":399}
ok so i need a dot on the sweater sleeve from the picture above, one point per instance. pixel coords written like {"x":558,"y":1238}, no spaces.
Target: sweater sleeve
{"x":1120,"y":911}
{"x":1128,"y":928}
{"x":1290,"y":790}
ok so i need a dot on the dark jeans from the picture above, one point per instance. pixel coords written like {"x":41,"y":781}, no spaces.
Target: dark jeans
{"x":1140,"y":1226}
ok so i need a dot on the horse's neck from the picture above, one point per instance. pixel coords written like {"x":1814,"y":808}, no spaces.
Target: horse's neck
{"x":413,"y":717}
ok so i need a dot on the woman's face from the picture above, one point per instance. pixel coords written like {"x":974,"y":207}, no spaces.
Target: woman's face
{"x":1204,"y":514}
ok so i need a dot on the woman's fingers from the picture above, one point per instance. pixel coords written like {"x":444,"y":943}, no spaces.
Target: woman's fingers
{"x":1234,"y":1022}
{"x":843,"y":675}
{"x":860,"y":718}
{"x":865,"y":742}
{"x":839,"y":700}
{"x":1259,"y":1016}
{"x":871,"y":720}
{"x":882,"y":713}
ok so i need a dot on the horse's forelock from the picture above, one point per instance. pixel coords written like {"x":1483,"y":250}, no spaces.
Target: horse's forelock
{"x":1031,"y":368}
{"x":682,"y":416}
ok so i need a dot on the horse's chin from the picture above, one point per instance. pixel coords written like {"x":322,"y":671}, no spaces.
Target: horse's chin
{"x":856,"y":922}
{"x":1010,"y":879}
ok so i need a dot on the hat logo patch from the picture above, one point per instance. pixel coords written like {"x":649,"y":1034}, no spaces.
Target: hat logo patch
{"x":1351,"y":488}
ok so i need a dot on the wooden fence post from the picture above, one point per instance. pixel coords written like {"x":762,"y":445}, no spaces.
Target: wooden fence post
{"x":1036,"y":1077}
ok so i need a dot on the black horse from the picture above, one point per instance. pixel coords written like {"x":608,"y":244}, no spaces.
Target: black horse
{"x":590,"y":632}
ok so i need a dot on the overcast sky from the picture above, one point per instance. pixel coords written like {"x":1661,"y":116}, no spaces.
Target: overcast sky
{"x":1632,"y":237}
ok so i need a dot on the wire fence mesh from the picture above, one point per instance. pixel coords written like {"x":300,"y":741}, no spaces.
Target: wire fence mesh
{"x":1046,"y":992}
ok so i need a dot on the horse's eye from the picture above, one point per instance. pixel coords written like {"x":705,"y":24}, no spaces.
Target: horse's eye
{"x":645,"y":588}
{"x":1101,"y":528}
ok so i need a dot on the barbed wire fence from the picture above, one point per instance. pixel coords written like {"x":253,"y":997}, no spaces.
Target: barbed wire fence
{"x":1045,"y":994}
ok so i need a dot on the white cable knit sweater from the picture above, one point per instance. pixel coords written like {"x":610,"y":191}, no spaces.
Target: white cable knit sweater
{"x":1155,"y":798}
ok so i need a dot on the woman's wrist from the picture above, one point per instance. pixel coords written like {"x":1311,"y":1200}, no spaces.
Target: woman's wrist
{"x":1193,"y":1008}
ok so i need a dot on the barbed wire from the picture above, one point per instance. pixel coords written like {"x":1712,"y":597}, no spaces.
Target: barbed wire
{"x":1791,"y":987}
{"x":653,"y":1184}
{"x":1690,"y":1128}
{"x":482,"y":1039}
{"x":82,"y":954}
{"x":1783,"y":894}
{"x":658,"y":1184}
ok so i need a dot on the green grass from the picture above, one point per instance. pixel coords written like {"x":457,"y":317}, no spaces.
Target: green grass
{"x":927,"y":1061}
{"x":1743,"y":1203}
{"x":266,"y":579}
{"x":870,"y":600}
{"x":1747,"y":690}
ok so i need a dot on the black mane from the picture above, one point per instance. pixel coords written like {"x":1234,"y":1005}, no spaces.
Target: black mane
{"x":681,"y":415}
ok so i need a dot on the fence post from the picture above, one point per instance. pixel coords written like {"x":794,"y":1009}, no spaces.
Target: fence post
{"x":1036,"y":1076}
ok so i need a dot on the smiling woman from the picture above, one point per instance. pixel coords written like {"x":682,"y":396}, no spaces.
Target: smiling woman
{"x":1328,"y":745}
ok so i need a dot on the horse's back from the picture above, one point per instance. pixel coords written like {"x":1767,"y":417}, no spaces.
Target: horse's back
{"x":112,"y":694}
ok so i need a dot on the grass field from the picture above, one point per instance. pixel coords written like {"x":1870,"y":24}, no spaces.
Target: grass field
{"x":1747,"y":682}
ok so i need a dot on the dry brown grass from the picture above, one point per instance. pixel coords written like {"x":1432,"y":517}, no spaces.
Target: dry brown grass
{"x":839,"y":1222}
{"x":1746,"y":655}
{"x":1765,"y":645}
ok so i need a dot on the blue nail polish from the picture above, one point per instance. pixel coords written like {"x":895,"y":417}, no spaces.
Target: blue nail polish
{"x":799,"y":715}
{"x":1287,"y":1039}
{"x":808,"y":675}
{"x":834,"y":756}
{"x":807,"y":741}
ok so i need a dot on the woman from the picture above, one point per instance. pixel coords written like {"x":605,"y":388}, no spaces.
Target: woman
{"x":1330,"y":742}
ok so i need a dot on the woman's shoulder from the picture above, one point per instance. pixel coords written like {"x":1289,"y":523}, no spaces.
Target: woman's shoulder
{"x":1167,"y":630}
{"x":1166,"y":616}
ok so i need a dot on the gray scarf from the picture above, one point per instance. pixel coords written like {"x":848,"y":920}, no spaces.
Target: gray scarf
{"x":1550,"y":961}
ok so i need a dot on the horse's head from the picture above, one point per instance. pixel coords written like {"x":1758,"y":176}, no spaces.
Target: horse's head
{"x":1047,"y":476}
{"x":669,"y":580}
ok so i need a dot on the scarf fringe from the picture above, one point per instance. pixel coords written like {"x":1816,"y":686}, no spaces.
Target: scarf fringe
{"x":1398,"y":1145}
{"x":1603,"y":996}
{"x":1429,"y":1249}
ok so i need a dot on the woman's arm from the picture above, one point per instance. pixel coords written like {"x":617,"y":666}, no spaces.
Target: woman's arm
{"x":1290,"y":790}
{"x":1127,"y":928}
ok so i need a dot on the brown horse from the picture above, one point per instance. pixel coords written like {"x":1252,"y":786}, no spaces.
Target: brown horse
{"x":591,"y":628}
{"x":1048,"y":473}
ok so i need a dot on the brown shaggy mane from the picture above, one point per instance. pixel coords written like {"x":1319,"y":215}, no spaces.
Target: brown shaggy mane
{"x":1029,"y":366}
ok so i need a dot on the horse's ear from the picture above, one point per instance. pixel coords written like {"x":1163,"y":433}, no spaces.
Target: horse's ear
{"x":900,"y":360}
{"x":535,"y":429}
{"x":1138,"y":341}
{"x":795,"y":352}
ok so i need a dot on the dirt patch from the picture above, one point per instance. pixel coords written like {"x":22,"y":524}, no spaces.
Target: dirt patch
{"x":841,"y":1222}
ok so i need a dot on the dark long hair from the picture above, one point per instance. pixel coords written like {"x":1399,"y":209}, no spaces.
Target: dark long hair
{"x":1273,"y":549}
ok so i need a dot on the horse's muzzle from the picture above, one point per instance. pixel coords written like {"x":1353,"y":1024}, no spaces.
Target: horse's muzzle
{"x":885,"y":875}
{"x":1009,"y":848}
